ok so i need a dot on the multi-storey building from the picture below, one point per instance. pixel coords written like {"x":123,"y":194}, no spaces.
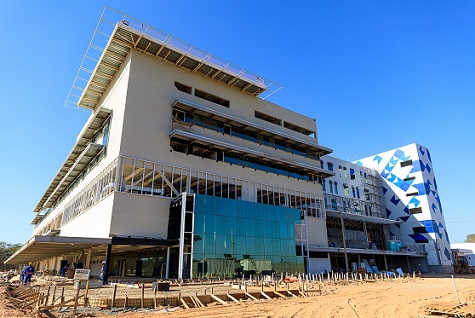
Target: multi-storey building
{"x":183,"y":169}
{"x":411,"y":197}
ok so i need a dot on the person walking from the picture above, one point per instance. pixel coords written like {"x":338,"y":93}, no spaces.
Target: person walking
{"x":103,"y":276}
{"x":29,"y":270}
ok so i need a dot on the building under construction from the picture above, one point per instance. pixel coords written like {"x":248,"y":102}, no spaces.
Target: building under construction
{"x":184,"y":169}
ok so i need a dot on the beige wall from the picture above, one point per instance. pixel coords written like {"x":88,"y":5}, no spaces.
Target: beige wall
{"x":317,"y":232}
{"x":94,"y":222}
{"x":140,"y":215}
{"x":148,"y":121}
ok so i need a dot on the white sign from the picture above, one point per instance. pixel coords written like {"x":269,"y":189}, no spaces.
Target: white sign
{"x":82,"y":274}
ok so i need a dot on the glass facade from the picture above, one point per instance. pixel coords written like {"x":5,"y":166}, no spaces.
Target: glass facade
{"x":234,"y":238}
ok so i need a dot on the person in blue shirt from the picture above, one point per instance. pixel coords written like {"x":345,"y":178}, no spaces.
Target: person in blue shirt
{"x":29,"y":270}
{"x":103,"y":271}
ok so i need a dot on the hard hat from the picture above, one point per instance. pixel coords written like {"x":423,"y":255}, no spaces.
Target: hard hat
{"x":29,"y":263}
{"x":103,"y":262}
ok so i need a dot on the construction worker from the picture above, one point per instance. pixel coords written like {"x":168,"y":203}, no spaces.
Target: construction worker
{"x":29,"y":270}
{"x":419,"y":269}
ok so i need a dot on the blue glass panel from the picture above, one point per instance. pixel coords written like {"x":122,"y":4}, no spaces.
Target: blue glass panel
{"x":200,"y":204}
{"x":210,"y":205}
{"x":275,"y":230}
{"x":250,"y":210}
{"x":240,"y":246}
{"x":267,"y":229}
{"x":250,"y":245}
{"x":258,"y":211}
{"x":282,"y":216}
{"x":199,"y":223}
{"x":268,"y":246}
{"x":290,"y":230}
{"x":209,"y":243}
{"x":221,"y":206}
{"x":283,"y":231}
{"x":220,"y":245}
{"x":241,"y":208}
{"x":231,"y":226}
{"x":221,"y":225}
{"x":241,"y":226}
{"x":198,"y":244}
{"x":258,"y":228}
{"x":276,"y":247}
{"x":250,"y":227}
{"x":231,"y":207}
{"x":259,"y":243}
{"x":266,"y":212}
{"x":210,"y":226}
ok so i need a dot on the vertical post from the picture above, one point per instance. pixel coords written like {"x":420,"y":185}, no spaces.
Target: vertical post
{"x":54,"y":294}
{"x":181,"y":248}
{"x":85,"y":293}
{"x":408,"y":264}
{"x":344,"y":240}
{"x":113,"y":296}
{"x":62,"y":295}
{"x":76,"y":299}
{"x":141,"y":299}
{"x":108,"y":260}
{"x":88,"y":258}
{"x":455,"y":288}
{"x":167,"y":267}
{"x":385,"y":262}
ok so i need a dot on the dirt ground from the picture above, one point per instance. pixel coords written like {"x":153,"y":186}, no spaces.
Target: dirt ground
{"x":406,"y":297}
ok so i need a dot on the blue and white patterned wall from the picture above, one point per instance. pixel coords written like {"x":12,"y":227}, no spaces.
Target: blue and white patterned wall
{"x":410,"y":193}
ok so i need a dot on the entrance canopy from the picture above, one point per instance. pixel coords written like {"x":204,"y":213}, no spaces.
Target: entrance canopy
{"x":40,"y":247}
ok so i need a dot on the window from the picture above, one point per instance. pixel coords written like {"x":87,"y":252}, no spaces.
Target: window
{"x":322,"y":164}
{"x":268,"y":118}
{"x":182,"y":87}
{"x":336,"y":187}
{"x":409,"y":178}
{"x":334,"y":205}
{"x":406,"y":163}
{"x":324,"y":187}
{"x":353,"y":191}
{"x":331,"y":186}
{"x":352,"y":174}
{"x":341,"y":171}
{"x":330,"y":166}
{"x":357,"y":192}
{"x":345,"y":175}
{"x":411,"y":194}
{"x":212,"y":98}
{"x":346,"y":190}
{"x":415,"y":210}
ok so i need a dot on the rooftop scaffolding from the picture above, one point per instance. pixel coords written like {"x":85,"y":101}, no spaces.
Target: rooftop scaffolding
{"x":117,"y":33}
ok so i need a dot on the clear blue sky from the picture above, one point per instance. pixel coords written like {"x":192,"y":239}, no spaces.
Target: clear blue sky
{"x":375,"y":74}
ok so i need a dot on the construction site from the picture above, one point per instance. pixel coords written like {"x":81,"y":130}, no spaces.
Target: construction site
{"x":334,"y":295}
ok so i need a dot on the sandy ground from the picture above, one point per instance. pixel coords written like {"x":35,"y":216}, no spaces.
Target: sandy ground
{"x":395,"y":298}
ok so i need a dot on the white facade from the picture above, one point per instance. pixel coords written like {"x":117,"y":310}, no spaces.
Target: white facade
{"x":411,"y":196}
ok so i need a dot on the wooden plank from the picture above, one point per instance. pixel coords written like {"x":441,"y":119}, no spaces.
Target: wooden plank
{"x":279,"y":294}
{"x":184,"y":303}
{"x":292,"y":294}
{"x":222,"y":302}
{"x":265,"y":295}
{"x":250,"y":296}
{"x":232,"y":298}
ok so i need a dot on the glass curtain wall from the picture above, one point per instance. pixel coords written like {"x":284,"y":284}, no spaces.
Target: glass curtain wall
{"x":233,"y":238}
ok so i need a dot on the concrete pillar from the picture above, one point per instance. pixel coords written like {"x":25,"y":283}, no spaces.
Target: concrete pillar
{"x":88,"y":258}
{"x":108,"y":260}
{"x":167,"y":268}
{"x":385,"y":263}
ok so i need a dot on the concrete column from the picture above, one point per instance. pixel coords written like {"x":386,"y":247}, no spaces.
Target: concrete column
{"x":385,"y":262}
{"x":167,"y":268}
{"x":108,"y":260}
{"x":88,"y":258}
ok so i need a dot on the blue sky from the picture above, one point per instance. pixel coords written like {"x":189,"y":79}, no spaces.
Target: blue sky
{"x":375,"y":74}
